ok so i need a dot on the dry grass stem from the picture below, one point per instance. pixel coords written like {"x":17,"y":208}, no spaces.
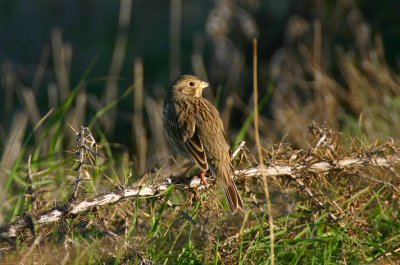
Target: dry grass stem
{"x":259,"y":152}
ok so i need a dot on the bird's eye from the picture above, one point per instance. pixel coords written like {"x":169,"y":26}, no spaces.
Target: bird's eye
{"x":191,"y":83}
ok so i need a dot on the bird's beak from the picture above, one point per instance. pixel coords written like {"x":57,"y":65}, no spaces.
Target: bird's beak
{"x":203,"y":85}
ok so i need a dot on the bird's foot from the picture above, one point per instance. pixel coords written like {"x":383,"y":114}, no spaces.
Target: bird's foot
{"x":202,"y":176}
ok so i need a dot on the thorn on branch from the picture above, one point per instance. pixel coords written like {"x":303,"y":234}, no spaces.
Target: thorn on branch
{"x":85,"y":150}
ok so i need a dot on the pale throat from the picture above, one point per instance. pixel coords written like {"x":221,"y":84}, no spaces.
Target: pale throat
{"x":198,"y":93}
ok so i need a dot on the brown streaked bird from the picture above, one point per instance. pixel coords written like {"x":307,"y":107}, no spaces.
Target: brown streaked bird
{"x":195,"y":130}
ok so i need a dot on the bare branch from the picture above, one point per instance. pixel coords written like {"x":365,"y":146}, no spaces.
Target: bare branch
{"x":319,"y":167}
{"x":72,"y":209}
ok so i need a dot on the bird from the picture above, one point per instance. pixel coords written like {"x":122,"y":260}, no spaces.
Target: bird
{"x":195,"y":130}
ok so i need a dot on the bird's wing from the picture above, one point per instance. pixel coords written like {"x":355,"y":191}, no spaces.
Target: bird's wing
{"x":196,"y":150}
{"x":186,"y":127}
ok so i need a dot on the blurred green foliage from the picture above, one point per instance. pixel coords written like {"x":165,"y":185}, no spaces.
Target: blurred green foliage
{"x":219,"y":31}
{"x":90,"y":26}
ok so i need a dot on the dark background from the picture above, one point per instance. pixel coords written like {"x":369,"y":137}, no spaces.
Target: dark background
{"x":90,"y":28}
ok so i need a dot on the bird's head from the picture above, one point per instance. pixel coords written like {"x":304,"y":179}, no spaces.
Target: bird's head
{"x":189,"y":85}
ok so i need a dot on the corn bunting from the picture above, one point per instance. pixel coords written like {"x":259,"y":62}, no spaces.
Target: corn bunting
{"x":195,"y":130}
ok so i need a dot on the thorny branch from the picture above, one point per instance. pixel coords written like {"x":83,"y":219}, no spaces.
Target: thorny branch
{"x":86,"y":146}
{"x":294,"y":170}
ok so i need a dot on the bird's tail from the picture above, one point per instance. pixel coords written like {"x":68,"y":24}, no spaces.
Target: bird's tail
{"x":231,"y":192}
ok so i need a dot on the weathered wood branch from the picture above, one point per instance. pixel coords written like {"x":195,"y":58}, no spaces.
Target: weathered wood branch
{"x":320,"y":166}
{"x":72,"y":209}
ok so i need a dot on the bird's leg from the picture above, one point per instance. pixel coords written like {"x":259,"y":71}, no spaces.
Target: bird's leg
{"x":202,"y":176}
